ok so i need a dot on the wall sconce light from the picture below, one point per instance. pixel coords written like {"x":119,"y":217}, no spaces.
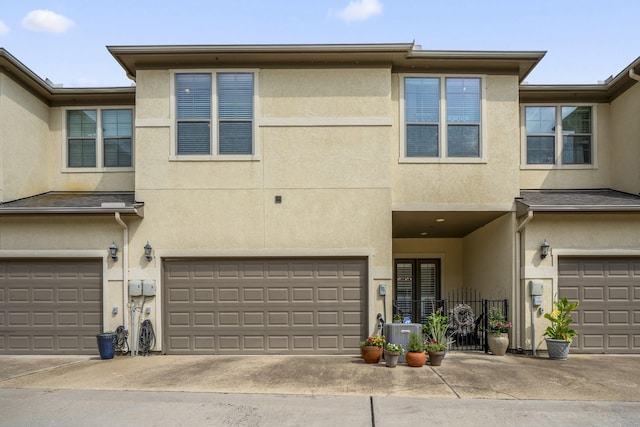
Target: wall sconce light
{"x":147,"y":251}
{"x":113,"y":251}
{"x":544,"y":249}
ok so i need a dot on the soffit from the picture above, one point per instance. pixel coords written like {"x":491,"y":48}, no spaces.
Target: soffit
{"x":605,"y":92}
{"x":401,"y":57}
{"x":54,"y":96}
{"x":456,"y":224}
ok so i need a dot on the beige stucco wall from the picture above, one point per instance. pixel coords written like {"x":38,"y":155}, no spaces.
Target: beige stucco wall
{"x":452,"y":186}
{"x":24,"y":130}
{"x":489,"y":254}
{"x":603,"y":234}
{"x":576,"y":177}
{"x":625,"y":130}
{"x":323,"y":146}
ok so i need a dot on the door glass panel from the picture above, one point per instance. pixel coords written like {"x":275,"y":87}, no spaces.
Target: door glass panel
{"x":404,"y":281}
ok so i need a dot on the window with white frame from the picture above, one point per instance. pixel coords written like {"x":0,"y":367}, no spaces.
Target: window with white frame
{"x":215,"y":113}
{"x":572,"y":125}
{"x":99,"y":138}
{"x":442,"y":122}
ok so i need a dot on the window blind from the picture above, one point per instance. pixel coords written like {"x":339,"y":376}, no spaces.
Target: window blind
{"x":235,"y":113}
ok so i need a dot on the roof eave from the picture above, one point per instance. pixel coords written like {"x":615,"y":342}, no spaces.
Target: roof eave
{"x":137,"y":210}
{"x":398,"y":55}
{"x":605,"y":92}
{"x":54,"y":96}
{"x":580,"y":208}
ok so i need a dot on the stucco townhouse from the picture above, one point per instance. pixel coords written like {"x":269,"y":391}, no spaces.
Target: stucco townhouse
{"x":275,"y":199}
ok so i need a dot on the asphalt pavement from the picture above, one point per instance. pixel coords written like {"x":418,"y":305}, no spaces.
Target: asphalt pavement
{"x":468,"y":389}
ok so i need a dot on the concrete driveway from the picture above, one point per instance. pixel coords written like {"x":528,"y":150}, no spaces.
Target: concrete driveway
{"x":469,"y":389}
{"x":462,"y":375}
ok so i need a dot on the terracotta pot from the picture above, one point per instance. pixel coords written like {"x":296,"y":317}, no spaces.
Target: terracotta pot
{"x":498,"y":344}
{"x":391,"y":358}
{"x":371,"y":353}
{"x":435,"y":358}
{"x":416,"y":359}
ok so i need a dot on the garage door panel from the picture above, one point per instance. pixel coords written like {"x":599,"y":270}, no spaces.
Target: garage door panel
{"x":618,"y":293}
{"x":608,"y":318}
{"x":590,"y":293}
{"x":302,"y":295}
{"x":271,"y":306}
{"x":280,"y":295}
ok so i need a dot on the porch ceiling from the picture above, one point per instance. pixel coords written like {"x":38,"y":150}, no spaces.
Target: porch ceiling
{"x":411,"y":224}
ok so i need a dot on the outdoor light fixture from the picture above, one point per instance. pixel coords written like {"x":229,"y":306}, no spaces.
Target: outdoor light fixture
{"x":113,"y":251}
{"x":147,"y":251}
{"x":544,"y":249}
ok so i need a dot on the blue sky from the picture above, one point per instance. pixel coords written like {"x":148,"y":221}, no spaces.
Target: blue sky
{"x":64,"y":40}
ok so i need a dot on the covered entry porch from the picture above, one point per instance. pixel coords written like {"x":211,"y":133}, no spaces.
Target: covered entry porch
{"x":459,"y":261}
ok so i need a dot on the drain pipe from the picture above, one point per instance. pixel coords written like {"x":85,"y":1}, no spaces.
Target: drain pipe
{"x":633,"y":75}
{"x":125,"y":268}
{"x":519,"y":315}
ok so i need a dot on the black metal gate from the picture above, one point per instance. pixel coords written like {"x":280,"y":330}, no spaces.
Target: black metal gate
{"x":467,"y":315}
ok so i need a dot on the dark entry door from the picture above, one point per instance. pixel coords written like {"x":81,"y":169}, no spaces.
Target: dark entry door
{"x":417,"y":287}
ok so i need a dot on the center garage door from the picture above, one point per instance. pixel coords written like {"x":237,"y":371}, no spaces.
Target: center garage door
{"x":264,"y":306}
{"x":608,"y":317}
{"x":50,"y":306}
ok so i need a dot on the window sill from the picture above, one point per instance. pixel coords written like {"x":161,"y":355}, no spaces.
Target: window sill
{"x":558,"y":167}
{"x":215,"y":158}
{"x":443,"y":160}
{"x":97,"y":170}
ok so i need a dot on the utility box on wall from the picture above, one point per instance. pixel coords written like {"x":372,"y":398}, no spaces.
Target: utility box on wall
{"x":536,"y":287}
{"x":135,"y":288}
{"x":148,"y":288}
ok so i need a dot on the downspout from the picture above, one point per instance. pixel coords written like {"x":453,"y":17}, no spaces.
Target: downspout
{"x":125,"y":267}
{"x":521,"y":226}
{"x":633,"y":75}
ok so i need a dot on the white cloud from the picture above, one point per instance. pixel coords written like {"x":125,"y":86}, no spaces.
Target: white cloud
{"x":46,"y":21}
{"x":4,"y":29}
{"x":360,"y":10}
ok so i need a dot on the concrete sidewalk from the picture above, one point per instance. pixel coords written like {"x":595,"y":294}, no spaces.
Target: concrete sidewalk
{"x":469,"y":389}
{"x":462,"y":375}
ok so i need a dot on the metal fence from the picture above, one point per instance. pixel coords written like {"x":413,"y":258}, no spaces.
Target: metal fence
{"x":467,"y":315}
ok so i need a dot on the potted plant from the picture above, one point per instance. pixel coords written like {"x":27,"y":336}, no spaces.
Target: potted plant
{"x":416,"y":356}
{"x":560,"y":335}
{"x":371,"y":348}
{"x":392,"y":353}
{"x":438,"y":336}
{"x":498,"y":338}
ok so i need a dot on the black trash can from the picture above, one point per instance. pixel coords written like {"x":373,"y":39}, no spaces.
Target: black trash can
{"x":106,"y":345}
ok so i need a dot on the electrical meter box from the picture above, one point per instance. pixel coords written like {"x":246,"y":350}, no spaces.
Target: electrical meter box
{"x":537,"y":300}
{"x":148,"y":288}
{"x":382,"y":289}
{"x":135,"y":288}
{"x":535,"y":287}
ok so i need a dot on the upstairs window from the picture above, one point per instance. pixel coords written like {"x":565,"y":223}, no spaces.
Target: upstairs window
{"x":442,"y":117}
{"x":81,"y":138}
{"x":571,"y":125}
{"x":193,"y":99}
{"x":99,"y":137}
{"x":215,"y":114}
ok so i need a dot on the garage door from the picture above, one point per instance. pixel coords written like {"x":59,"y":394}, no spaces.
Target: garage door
{"x":608,"y":318}
{"x":50,"y":306}
{"x":264,"y":306}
